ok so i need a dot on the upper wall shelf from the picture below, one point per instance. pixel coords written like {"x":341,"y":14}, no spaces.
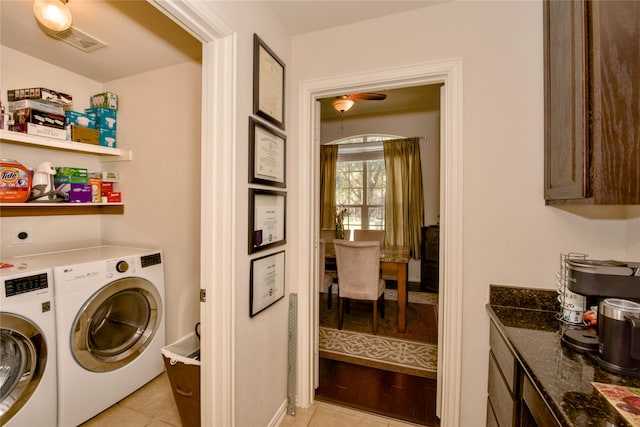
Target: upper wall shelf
{"x":57,"y":144}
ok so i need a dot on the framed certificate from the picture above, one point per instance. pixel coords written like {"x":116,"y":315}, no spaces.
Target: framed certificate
{"x":267,"y":155}
{"x":267,"y":212}
{"x":267,"y":282}
{"x":268,"y":83}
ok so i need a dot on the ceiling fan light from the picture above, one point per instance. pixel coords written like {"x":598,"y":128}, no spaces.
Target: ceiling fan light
{"x":52,"y":14}
{"x":343,"y":105}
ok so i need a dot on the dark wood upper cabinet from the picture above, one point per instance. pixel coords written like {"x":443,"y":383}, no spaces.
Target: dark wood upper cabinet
{"x":592,"y":101}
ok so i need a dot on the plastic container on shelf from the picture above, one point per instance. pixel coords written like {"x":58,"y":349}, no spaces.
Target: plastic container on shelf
{"x":15,"y":182}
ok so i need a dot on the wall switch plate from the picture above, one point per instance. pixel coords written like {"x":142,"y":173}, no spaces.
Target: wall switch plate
{"x":22,"y":236}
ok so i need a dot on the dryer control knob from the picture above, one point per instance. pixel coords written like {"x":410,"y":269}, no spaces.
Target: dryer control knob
{"x":122,"y":266}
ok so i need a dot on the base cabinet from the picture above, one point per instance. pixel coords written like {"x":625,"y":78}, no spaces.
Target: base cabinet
{"x":513,"y":400}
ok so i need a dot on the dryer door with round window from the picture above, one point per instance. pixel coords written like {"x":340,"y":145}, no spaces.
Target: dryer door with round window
{"x":23,"y":352}
{"x":116,"y":325}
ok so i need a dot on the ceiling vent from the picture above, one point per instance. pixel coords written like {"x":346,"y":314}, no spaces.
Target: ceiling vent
{"x":80,"y":40}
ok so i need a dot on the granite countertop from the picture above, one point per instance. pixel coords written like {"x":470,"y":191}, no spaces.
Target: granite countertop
{"x":527,"y":318}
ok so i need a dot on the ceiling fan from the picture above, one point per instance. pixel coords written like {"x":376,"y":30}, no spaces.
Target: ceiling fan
{"x":343,"y":103}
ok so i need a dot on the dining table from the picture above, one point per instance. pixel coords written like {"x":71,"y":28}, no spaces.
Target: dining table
{"x":394,"y":259}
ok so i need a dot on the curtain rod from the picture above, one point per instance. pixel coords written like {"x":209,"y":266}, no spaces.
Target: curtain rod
{"x":373,"y":142}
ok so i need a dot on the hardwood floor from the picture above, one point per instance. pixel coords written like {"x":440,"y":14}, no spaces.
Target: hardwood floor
{"x":399,"y":396}
{"x":404,"y":397}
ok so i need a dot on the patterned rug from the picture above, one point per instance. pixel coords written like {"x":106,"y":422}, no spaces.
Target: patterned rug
{"x":391,"y":354}
{"x":413,"y":352}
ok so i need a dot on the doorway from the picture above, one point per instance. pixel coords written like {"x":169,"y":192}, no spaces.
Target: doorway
{"x":448,"y":73}
{"x":356,"y":369}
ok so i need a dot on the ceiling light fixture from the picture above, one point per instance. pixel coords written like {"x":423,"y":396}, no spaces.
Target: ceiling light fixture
{"x":52,"y":14}
{"x":343,"y":105}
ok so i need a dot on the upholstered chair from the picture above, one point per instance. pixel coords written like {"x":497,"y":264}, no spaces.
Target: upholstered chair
{"x":326,"y":278}
{"x":359,"y":276}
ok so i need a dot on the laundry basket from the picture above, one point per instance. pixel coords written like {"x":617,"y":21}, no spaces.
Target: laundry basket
{"x":182,"y":361}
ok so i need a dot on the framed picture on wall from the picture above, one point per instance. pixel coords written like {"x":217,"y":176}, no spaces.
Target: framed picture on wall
{"x":267,"y":282}
{"x":267,"y":213}
{"x":267,"y":155}
{"x":268,"y":83}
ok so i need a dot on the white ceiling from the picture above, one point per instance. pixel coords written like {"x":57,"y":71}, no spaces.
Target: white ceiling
{"x":139,"y":38}
{"x":306,"y":16}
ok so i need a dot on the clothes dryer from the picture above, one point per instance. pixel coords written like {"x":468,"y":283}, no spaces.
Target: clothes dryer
{"x":28,"y":376}
{"x":110,"y":326}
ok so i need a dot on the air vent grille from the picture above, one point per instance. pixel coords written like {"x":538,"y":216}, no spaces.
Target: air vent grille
{"x":79,"y":40}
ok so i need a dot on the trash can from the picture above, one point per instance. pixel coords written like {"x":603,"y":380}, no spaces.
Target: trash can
{"x":182,"y":361}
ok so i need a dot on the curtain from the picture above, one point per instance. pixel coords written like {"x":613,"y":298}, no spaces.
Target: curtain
{"x":404,"y":206}
{"x":328,"y":160}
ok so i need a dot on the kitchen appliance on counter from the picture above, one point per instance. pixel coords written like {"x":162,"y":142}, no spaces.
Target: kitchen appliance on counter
{"x":615,"y":345}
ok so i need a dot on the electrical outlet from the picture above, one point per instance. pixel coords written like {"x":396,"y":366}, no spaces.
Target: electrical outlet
{"x":22,"y":236}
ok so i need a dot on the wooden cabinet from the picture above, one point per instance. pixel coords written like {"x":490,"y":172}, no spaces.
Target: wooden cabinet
{"x":430,"y":258}
{"x":513,"y":399}
{"x":592,"y":101}
{"x":503,"y":384}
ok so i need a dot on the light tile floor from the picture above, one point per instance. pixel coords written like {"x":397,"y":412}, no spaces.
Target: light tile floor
{"x":153,"y":406}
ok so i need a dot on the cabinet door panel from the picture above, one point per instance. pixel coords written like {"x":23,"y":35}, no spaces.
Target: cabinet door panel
{"x":504,"y":358}
{"x":565,"y":100}
{"x":500,"y":398}
{"x":616,"y":101}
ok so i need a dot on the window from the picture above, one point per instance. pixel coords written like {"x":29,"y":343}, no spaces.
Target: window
{"x":361,"y":181}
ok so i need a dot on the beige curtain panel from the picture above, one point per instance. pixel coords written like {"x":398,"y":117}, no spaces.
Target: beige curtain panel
{"x":328,"y":160}
{"x":404,"y":206}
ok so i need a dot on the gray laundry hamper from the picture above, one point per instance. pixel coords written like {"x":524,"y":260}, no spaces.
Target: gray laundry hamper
{"x":182,"y":362}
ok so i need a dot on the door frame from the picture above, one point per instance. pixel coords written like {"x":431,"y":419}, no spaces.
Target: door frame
{"x":448,"y":72}
{"x":218,"y":139}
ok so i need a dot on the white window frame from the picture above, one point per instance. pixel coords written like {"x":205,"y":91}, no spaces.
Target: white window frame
{"x":362,"y":148}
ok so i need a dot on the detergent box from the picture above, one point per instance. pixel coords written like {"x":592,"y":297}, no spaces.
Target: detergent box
{"x":71,"y":171}
{"x":75,"y":193}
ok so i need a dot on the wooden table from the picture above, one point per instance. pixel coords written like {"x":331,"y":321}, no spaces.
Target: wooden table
{"x":391,"y":259}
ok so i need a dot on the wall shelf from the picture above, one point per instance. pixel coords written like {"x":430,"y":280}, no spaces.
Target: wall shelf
{"x":58,"y":144}
{"x":48,"y":209}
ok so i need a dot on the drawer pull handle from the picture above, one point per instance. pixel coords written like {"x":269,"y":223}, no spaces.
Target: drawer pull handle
{"x":184,"y":393}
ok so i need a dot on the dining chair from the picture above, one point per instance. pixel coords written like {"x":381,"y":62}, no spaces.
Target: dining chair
{"x":375,"y":235}
{"x":359,"y":276}
{"x":369,"y":235}
{"x":326,"y":277}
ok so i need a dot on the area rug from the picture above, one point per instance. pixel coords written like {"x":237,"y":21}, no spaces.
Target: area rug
{"x":413,"y":352}
{"x":391,"y":354}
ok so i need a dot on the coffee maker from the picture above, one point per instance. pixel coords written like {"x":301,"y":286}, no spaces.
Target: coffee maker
{"x":615,"y":285}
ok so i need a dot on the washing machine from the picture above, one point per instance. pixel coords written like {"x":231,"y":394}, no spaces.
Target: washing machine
{"x":110,"y":325}
{"x":28,"y":386}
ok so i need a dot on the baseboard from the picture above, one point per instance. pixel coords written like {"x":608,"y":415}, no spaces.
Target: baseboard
{"x":278,"y":417}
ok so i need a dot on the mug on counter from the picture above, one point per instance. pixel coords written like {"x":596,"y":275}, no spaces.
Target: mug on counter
{"x":573,"y":306}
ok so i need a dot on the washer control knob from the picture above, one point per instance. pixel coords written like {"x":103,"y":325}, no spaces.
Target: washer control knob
{"x":122,"y":266}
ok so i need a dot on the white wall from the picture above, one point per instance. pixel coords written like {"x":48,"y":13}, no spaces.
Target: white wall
{"x":52,"y":232}
{"x":160,"y":186}
{"x":260,"y":342}
{"x":510,"y":236}
{"x":159,"y":120}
